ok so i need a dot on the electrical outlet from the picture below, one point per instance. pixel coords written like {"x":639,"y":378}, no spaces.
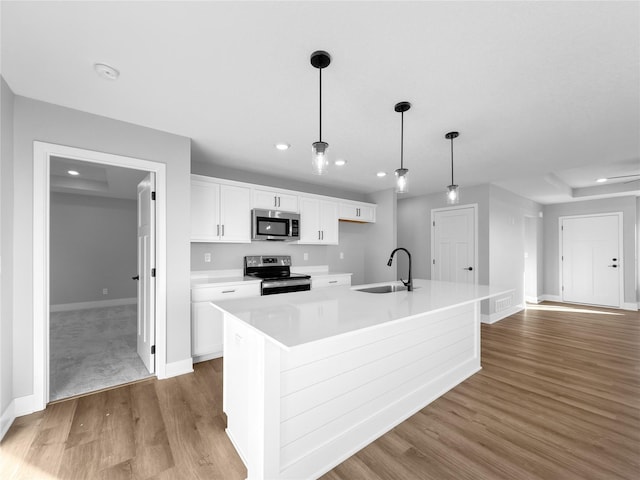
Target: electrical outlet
{"x":341,"y":255}
{"x":207,"y":257}
{"x":305,"y":256}
{"x":105,"y":291}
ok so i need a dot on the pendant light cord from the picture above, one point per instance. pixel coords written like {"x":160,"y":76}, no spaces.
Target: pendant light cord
{"x":452,"y":161}
{"x":401,"y":140}
{"x":320,"y":103}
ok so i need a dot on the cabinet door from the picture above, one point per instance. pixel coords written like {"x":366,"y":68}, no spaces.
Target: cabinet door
{"x":287,"y":203}
{"x":204,"y":211}
{"x":266,"y":199}
{"x":329,"y":222}
{"x":330,"y":281}
{"x":275,"y":200}
{"x":357,"y":212}
{"x":206,"y":329}
{"x":235,"y":214}
{"x":310,"y":231}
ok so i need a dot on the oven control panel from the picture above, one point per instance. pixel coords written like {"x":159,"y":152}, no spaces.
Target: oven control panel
{"x":265,"y":261}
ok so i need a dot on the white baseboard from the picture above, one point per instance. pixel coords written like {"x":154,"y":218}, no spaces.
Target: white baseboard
{"x":634,"y":307}
{"x":204,"y":358}
{"x":181,"y":367}
{"x":25,"y":405}
{"x":532,"y":299}
{"x":550,"y":298}
{"x":116,"y":302}
{"x":495,"y":317}
{"x":7,"y":418}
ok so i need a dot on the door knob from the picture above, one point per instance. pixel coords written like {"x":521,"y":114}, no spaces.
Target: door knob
{"x":468,"y":268}
{"x":137,"y":277}
{"x":614,"y":266}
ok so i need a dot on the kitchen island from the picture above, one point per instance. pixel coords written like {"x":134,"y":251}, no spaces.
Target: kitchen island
{"x":312,"y":377}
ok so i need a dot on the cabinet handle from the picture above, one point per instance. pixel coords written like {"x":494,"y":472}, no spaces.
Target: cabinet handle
{"x":217,"y":230}
{"x":322,"y":235}
{"x":278,"y":201}
{"x":275,"y":201}
{"x":357,"y":212}
{"x":223,"y":230}
{"x":318,"y":234}
{"x":228,"y":291}
{"x":333,"y":281}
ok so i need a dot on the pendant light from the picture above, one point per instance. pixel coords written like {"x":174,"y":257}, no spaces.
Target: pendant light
{"x":319,"y":161}
{"x":402,"y":185}
{"x":453,"y":196}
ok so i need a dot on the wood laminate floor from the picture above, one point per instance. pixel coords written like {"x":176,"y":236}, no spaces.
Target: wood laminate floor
{"x":558,"y":398}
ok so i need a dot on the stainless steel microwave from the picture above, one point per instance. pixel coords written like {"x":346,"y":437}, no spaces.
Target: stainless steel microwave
{"x":274,"y":225}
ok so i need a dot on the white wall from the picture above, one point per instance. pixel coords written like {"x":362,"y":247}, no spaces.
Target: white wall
{"x":627,"y":205}
{"x":35,"y":120}
{"x":6,"y":247}
{"x":93,"y":246}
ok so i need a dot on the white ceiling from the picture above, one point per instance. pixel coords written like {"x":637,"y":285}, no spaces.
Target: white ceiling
{"x":545,"y":94}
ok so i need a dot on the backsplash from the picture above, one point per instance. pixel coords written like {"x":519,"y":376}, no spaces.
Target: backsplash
{"x":231,"y":255}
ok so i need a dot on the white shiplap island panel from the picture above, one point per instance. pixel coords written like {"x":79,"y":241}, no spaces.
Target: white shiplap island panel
{"x":312,"y":377}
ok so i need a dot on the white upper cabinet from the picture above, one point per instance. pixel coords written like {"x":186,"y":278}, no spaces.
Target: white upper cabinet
{"x":357,"y":212}
{"x":275,"y":200}
{"x":318,"y":221}
{"x":220,"y":212}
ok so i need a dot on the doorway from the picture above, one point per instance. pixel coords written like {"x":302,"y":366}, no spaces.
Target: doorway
{"x":590,"y":257}
{"x":43,"y":154}
{"x":97,"y":309}
{"x":454,"y":244}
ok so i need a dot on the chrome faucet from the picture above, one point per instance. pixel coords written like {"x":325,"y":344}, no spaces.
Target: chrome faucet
{"x":409,"y":282}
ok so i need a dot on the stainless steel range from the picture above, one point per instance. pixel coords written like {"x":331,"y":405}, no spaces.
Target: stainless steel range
{"x":275,"y":272}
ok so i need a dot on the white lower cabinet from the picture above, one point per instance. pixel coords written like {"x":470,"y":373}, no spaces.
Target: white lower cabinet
{"x":330,"y":280}
{"x":207,"y":339}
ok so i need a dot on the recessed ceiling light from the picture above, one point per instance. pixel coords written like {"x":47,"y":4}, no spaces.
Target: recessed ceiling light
{"x":73,"y":172}
{"x":106,"y":71}
{"x":381,"y":174}
{"x":282,"y":146}
{"x":340,"y":162}
{"x":601,"y":180}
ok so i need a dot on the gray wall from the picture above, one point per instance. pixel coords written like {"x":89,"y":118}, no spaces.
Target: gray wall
{"x":230,"y":256}
{"x":6,"y":245}
{"x":501,"y":244}
{"x":507,"y":214}
{"x":627,"y":205}
{"x":382,"y":238}
{"x":35,"y":120}
{"x":355,"y":239}
{"x":93,"y":246}
{"x":414,"y":229}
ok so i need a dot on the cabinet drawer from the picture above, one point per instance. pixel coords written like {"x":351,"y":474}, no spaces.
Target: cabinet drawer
{"x":330,"y":281}
{"x":214,"y":293}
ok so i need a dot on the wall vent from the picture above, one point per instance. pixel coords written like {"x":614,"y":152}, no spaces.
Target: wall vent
{"x":503,"y":303}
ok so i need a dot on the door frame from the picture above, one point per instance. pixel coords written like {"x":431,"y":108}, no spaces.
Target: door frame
{"x":42,"y":153}
{"x":620,"y":253}
{"x":474,"y":206}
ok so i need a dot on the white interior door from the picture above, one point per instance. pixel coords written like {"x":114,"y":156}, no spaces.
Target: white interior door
{"x":591,"y":263}
{"x":453,"y":245}
{"x":146,"y":271}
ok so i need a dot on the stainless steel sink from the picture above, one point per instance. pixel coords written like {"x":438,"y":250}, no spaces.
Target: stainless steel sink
{"x":383,"y":289}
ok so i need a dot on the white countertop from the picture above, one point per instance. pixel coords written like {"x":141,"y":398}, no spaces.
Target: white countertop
{"x":293,"y":319}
